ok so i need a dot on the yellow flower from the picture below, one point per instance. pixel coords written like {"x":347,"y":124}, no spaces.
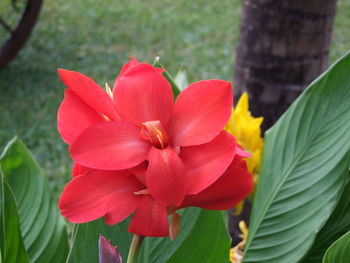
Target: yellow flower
{"x":236,"y":253}
{"x":247,"y":131}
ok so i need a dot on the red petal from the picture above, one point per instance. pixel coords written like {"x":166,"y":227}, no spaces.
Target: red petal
{"x":242,"y":153}
{"x":207,"y":162}
{"x":140,"y":172}
{"x":100,"y":193}
{"x":166,"y":176}
{"x":143,"y":94}
{"x":79,"y":170}
{"x":89,"y":92}
{"x":150,"y":218}
{"x":201,"y":112}
{"x":132,"y":63}
{"x":110,"y":146}
{"x":231,"y":188}
{"x":74,"y":116}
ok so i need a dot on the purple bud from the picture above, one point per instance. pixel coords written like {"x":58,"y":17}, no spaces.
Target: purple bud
{"x":107,"y":252}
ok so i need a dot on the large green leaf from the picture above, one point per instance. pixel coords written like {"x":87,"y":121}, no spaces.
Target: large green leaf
{"x":339,"y":252}
{"x":337,"y":225}
{"x":11,"y":244}
{"x":304,"y":169}
{"x":203,"y":238}
{"x":43,"y":228}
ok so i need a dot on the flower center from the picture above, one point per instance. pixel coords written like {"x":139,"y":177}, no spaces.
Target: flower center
{"x":155,"y":132}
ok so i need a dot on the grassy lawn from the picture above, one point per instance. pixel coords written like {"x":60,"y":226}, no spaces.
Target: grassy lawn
{"x":96,"y":38}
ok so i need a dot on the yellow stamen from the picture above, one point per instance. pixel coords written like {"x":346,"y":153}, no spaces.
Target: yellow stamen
{"x":236,"y":253}
{"x":109,"y":90}
{"x":174,"y":227}
{"x":142,"y":192}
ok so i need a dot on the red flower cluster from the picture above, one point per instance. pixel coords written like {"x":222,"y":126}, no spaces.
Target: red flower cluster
{"x":136,"y":151}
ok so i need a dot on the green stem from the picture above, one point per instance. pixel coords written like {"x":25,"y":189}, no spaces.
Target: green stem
{"x":134,"y":248}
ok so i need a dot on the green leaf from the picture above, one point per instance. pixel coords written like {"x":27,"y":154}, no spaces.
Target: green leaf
{"x":85,"y":242}
{"x":11,"y":243}
{"x":43,"y":228}
{"x":175,"y":88}
{"x":337,"y":225}
{"x":304,"y":170}
{"x":203,"y":238}
{"x":339,"y":251}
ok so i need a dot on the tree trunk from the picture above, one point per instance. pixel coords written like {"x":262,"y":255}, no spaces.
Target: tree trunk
{"x":284,"y":45}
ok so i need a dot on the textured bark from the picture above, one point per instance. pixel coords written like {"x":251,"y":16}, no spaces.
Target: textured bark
{"x":283,"y":47}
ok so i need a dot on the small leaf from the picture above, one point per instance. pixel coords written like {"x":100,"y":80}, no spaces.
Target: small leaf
{"x":181,"y":79}
{"x":339,"y":251}
{"x":175,"y":88}
{"x":107,"y":252}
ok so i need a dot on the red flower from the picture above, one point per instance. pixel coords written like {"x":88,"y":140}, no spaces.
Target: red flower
{"x":116,"y":194}
{"x":168,"y":155}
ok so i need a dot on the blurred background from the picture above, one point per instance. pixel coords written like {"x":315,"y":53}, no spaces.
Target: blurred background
{"x":97,"y":37}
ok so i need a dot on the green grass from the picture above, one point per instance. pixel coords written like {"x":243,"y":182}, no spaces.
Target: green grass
{"x":96,"y":38}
